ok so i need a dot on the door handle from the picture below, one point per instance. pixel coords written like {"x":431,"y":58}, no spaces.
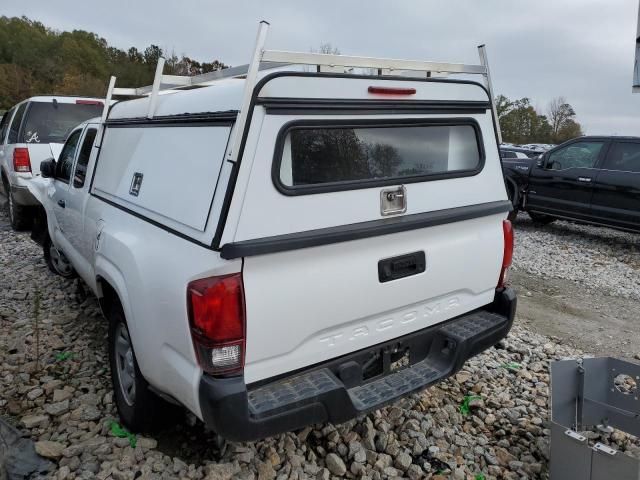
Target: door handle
{"x":584,"y":179}
{"x":403,"y":266}
{"x":62,"y":203}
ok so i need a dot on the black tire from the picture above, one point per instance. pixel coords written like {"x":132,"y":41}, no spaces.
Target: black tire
{"x":137,"y":405}
{"x":56,"y":261}
{"x":541,"y":219}
{"x":20,"y":216}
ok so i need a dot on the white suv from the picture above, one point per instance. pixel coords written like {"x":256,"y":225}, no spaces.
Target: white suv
{"x":352,"y":251}
{"x":30,"y":132}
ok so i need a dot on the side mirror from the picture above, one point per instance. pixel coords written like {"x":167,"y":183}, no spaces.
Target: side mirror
{"x":540,"y":161}
{"x":48,"y":168}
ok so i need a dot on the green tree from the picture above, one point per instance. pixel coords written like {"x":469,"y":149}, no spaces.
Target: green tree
{"x":503,"y":105}
{"x":35,"y":60}
{"x":570,"y":129}
{"x":521,"y":123}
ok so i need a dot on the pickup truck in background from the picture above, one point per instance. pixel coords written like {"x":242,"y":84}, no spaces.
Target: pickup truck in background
{"x":590,"y":179}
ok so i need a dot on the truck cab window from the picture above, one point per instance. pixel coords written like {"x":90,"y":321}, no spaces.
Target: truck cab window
{"x":83,"y":158}
{"x":65,"y":163}
{"x":624,"y":157}
{"x":576,"y":155}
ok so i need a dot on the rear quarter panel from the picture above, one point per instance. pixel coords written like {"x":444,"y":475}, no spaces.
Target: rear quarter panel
{"x":150,"y":268}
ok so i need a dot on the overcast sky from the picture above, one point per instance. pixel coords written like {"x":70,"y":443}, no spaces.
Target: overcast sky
{"x":580,"y":49}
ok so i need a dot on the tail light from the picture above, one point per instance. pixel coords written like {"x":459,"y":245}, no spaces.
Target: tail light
{"x":507,"y":257}
{"x":217,"y":320}
{"x":21,"y":160}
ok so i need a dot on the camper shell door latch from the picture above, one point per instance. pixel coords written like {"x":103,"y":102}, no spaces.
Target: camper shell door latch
{"x":393,"y":201}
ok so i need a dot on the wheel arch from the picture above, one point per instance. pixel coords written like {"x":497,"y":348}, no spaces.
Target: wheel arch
{"x":111,"y":287}
{"x":4,"y":180}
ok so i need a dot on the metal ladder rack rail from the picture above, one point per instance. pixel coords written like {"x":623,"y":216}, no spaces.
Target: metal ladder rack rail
{"x":269,"y":59}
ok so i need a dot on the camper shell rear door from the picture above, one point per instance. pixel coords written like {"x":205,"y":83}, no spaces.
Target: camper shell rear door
{"x":339,"y":259}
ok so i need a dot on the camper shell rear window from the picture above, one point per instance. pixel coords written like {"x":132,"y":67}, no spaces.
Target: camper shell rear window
{"x":321,"y":156}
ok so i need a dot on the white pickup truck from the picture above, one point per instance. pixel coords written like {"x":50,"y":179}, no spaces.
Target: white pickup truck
{"x":352,"y":251}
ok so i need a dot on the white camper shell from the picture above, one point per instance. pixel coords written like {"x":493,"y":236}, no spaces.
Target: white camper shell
{"x":287,"y":247}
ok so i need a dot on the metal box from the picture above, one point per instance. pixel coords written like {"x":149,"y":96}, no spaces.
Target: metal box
{"x":593,"y":393}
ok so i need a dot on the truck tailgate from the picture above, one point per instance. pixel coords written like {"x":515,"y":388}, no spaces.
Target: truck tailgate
{"x":309,"y":305}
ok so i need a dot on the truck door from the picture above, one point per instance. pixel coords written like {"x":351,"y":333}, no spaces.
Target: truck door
{"x":78,"y":193}
{"x":59,"y":193}
{"x":563,"y":183}
{"x":616,"y":190}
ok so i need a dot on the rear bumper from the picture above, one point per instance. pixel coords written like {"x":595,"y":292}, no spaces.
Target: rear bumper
{"x":22,"y":196}
{"x":335,"y":391}
{"x":20,"y":189}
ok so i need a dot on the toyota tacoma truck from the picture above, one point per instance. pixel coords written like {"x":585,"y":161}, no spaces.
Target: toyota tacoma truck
{"x":304,"y":248}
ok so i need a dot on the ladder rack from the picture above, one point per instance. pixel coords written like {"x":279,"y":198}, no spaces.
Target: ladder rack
{"x":269,"y":59}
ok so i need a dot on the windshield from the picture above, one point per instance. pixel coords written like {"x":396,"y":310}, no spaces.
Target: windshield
{"x":51,"y":122}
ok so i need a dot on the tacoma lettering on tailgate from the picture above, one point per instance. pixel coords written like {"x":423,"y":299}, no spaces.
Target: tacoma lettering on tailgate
{"x":402,"y":318}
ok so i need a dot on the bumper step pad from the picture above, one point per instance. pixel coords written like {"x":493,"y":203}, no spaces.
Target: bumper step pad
{"x":308,"y":387}
{"x":276,"y":396}
{"x":473,"y":325}
{"x":368,"y":396}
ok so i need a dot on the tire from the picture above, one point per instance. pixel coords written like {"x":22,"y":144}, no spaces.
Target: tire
{"x":19,"y":215}
{"x":137,"y":405}
{"x":541,"y":219}
{"x":56,"y":261}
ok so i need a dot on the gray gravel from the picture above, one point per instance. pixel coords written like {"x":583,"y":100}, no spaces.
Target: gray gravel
{"x":598,"y":258}
{"x":55,"y":386}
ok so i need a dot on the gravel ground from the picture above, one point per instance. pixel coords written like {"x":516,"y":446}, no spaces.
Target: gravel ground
{"x":599,"y":258}
{"x":55,"y":386}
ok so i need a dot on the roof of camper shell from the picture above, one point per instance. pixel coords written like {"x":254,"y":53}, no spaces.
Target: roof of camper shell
{"x":226,"y":95}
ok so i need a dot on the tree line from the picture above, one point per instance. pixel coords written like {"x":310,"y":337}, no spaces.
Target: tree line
{"x":521,"y":123}
{"x":35,"y":59}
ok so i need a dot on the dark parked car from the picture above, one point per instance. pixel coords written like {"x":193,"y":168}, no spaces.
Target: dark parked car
{"x":507,"y":151}
{"x":589,"y":179}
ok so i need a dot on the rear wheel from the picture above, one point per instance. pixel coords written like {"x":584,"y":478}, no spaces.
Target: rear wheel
{"x":541,"y":219}
{"x":19,"y":215}
{"x":137,"y":405}
{"x":56,"y":261}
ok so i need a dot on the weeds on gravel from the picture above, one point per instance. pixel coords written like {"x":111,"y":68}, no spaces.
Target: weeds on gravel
{"x":119,"y":431}
{"x":465,"y":410}
{"x":512,"y":366}
{"x":62,"y":356}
